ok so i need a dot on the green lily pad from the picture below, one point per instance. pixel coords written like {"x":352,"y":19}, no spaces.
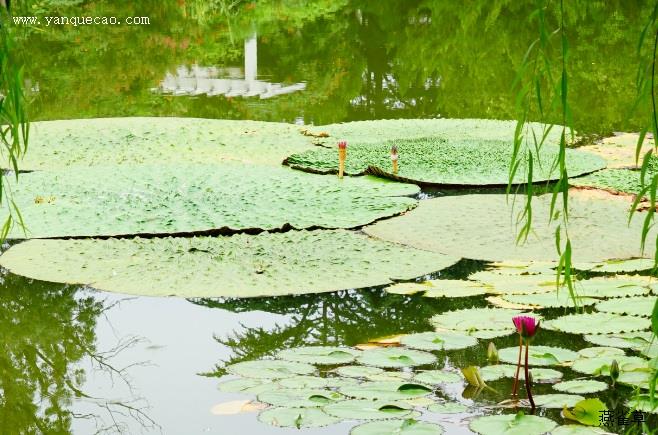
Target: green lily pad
{"x":587,"y":412}
{"x":447,"y":408}
{"x":296,"y":417}
{"x":596,"y":323}
{"x":601,"y":366}
{"x":440,"y":288}
{"x":299,"y":398}
{"x":614,"y":180}
{"x":523,"y":267}
{"x":550,"y":300}
{"x":357,"y":371}
{"x":359,"y":409}
{"x":462,"y":226}
{"x":615,"y":286}
{"x":440,"y":161}
{"x":489,"y":334}
{"x":581,"y":386}
{"x":391,"y":376}
{"x":643,"y":404}
{"x":557,"y":401}
{"x":539,"y":355}
{"x":598,"y":352}
{"x":239,"y":385}
{"x":319,"y":355}
{"x":516,"y":284}
{"x":576,"y":429}
{"x":636,"y":378}
{"x":617,"y":266}
{"x":539,"y":375}
{"x":476,"y":319}
{"x":386,"y":390}
{"x":303,"y":382}
{"x":510,"y":424}
{"x":445,"y":340}
{"x":391,"y":357}
{"x":625,"y":340}
{"x":269,"y":369}
{"x":634,"y":306}
{"x":238,"y":266}
{"x":397,"y":427}
{"x":437,"y":377}
{"x":179,"y":199}
{"x":117,"y":141}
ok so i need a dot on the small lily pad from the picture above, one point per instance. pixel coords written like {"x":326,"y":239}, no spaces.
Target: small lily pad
{"x":516,"y":284}
{"x":437,"y":377}
{"x":390,"y":376}
{"x":299,"y":398}
{"x":447,"y":408}
{"x":319,"y":355}
{"x":581,"y":386}
{"x":596,"y":323}
{"x":510,"y":424}
{"x":615,"y":286}
{"x":391,"y":357}
{"x":625,"y":340}
{"x":269,"y":369}
{"x":587,"y":411}
{"x":386,"y":390}
{"x":239,"y":385}
{"x":357,"y":371}
{"x":600,"y":352}
{"x":303,"y":382}
{"x":359,"y":409}
{"x":539,"y":375}
{"x":550,"y":300}
{"x":601,"y":366}
{"x":438,"y":341}
{"x":576,"y":429}
{"x":636,"y":378}
{"x":634,"y":306}
{"x":539,"y":355}
{"x":488,"y":334}
{"x":557,"y":401}
{"x":397,"y":427}
{"x":617,"y":266}
{"x":643,"y":404}
{"x":297,"y":417}
{"x":473,"y":319}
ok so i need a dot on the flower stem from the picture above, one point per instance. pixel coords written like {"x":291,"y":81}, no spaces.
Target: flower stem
{"x":527,"y":378}
{"x":518,"y":369}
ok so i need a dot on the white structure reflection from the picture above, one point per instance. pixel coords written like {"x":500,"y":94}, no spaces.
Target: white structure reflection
{"x":230,"y":82}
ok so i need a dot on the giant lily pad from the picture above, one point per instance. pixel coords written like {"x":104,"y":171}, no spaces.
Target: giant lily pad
{"x":613,"y":180}
{"x":269,"y":369}
{"x":615,"y":286}
{"x":538,"y":356}
{"x":386,"y":390}
{"x":131,"y":200}
{"x":550,"y":300}
{"x":510,"y":424}
{"x":539,"y":375}
{"x":296,"y":417}
{"x":635,"y":306}
{"x":462,"y":225}
{"x":601,"y":366}
{"x":93,"y":142}
{"x":321,"y":355}
{"x":445,"y":340}
{"x":392,"y":357}
{"x":596,"y":323}
{"x":619,"y":151}
{"x":627,"y":340}
{"x":617,"y":266}
{"x":476,"y":319}
{"x":299,"y":397}
{"x":441,"y":161}
{"x":368,"y":409}
{"x":440,"y":288}
{"x":397,"y":427}
{"x":581,"y":386}
{"x":237,"y":266}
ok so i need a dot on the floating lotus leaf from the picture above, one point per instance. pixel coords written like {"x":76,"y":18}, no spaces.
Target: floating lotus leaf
{"x":615,"y":286}
{"x":238,"y":266}
{"x":391,"y":376}
{"x":635,"y":306}
{"x":462,"y":226}
{"x":297,"y":417}
{"x":304,"y":382}
{"x":523,"y":267}
{"x":368,"y":409}
{"x":118,"y":141}
{"x":269,"y":369}
{"x":341,"y":382}
{"x":510,"y":424}
{"x":650,"y":351}
{"x":397,"y":427}
{"x":440,"y":288}
{"x":601,"y":366}
{"x":386,"y":390}
{"x":539,"y":355}
{"x":558,"y":401}
{"x":444,"y":340}
{"x":617,"y":266}
{"x":357,"y":371}
{"x":239,"y":385}
{"x":626,"y":340}
{"x":392,"y":357}
{"x":600,"y":352}
{"x":612,"y":180}
{"x":447,"y":408}
{"x":299,"y":398}
{"x":437,"y":377}
{"x":260,"y":389}
{"x":581,"y":386}
{"x":643,"y":403}
{"x":576,"y":429}
{"x":476,"y":319}
{"x":596,"y":323}
{"x":619,"y":151}
{"x":485,"y":334}
{"x":539,"y":375}
{"x":516,"y":284}
{"x":184,"y":199}
{"x":550,"y":300}
{"x":587,"y":412}
{"x":440,"y":161}
{"x":636,"y":378}
{"x":319,"y":355}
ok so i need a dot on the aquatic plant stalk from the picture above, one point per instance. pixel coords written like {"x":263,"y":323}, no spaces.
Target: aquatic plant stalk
{"x":518,"y":368}
{"x":527,"y":376}
{"x":394,"y":158}
{"x":342,"y":156}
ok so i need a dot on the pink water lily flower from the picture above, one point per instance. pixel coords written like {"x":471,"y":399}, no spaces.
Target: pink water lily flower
{"x":526,"y":326}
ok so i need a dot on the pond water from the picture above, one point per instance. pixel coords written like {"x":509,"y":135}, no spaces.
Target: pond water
{"x":75,"y":360}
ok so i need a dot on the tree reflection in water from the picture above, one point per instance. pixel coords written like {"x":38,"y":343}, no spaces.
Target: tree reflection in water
{"x":47,"y":331}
